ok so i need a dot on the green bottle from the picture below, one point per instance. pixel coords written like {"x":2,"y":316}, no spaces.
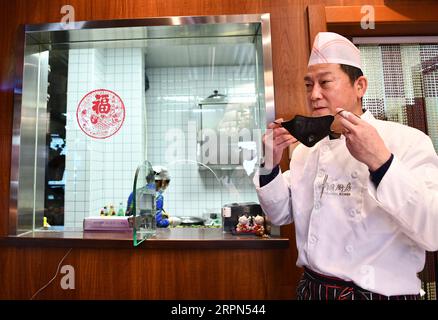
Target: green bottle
{"x":121,"y":212}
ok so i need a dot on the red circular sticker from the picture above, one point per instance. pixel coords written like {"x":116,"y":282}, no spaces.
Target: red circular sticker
{"x":100,"y":114}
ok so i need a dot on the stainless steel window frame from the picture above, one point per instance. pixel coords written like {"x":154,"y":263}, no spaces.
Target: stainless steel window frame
{"x":27,"y":171}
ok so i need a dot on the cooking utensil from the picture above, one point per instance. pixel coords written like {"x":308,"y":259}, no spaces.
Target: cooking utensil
{"x":196,"y":221}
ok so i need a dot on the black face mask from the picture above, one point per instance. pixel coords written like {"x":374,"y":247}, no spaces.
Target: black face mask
{"x":309,"y":130}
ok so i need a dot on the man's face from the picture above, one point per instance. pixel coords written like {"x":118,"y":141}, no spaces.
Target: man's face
{"x":328,"y":88}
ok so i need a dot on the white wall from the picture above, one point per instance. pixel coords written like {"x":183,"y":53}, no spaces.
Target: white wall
{"x":173,"y":96}
{"x":100,"y":172}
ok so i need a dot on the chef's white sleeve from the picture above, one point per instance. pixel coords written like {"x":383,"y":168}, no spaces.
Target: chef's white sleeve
{"x":275,"y":198}
{"x":409,"y":193}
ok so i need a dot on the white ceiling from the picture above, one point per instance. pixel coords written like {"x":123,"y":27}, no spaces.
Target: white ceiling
{"x":200,"y":55}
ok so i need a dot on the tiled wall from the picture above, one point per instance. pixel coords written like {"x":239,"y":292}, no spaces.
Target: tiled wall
{"x":100,"y":172}
{"x":172,"y":109}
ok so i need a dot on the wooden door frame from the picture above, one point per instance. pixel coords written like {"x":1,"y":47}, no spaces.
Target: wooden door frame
{"x":393,"y":19}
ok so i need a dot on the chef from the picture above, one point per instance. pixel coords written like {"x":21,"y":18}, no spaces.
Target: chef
{"x":162,"y":180}
{"x":365,"y":203}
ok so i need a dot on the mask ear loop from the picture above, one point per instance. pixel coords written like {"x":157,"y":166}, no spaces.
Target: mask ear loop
{"x":281,"y":125}
{"x":337,"y":134}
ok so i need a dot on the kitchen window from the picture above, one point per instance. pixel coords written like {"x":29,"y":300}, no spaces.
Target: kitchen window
{"x":98,"y":99}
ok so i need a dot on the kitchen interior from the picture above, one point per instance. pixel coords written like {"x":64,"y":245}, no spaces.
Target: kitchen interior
{"x":194,"y":104}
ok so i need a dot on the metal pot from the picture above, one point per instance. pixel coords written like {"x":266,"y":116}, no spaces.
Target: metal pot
{"x":196,"y":221}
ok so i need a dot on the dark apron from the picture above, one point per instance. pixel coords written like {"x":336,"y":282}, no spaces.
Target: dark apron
{"x":315,"y":286}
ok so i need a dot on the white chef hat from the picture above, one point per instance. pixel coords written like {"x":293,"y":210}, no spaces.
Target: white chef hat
{"x":161,"y":173}
{"x":330,"y":47}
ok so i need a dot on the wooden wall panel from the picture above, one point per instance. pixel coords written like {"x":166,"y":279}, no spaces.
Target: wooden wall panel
{"x":148,"y":274}
{"x":392,"y":19}
{"x":317,"y":22}
{"x":386,"y":14}
{"x":7,"y":27}
{"x":354,"y":2}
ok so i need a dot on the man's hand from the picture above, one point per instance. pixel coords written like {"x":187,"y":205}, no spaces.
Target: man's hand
{"x":275,"y":141}
{"x":363,"y":141}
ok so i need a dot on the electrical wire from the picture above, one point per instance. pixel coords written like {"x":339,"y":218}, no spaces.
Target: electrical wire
{"x":54,"y":277}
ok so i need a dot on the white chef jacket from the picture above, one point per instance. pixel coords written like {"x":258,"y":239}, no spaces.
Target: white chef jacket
{"x":349,"y":229}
